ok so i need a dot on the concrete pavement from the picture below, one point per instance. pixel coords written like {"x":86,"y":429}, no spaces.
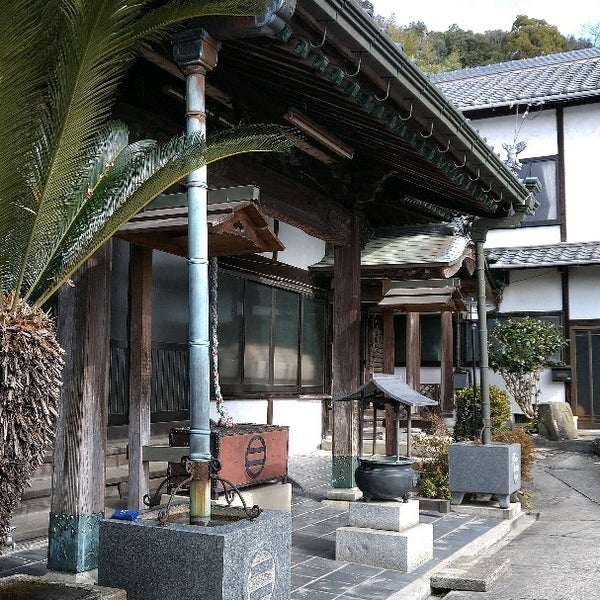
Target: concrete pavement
{"x":558,"y":557}
{"x":553,"y":558}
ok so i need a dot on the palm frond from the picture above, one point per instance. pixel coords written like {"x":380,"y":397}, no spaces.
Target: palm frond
{"x":138,"y":175}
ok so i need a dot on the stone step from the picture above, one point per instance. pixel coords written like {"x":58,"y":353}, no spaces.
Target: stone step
{"x":475,"y":574}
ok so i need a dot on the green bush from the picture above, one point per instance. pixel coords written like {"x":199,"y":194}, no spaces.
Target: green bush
{"x":519,"y":436}
{"x":500,"y":412}
{"x":431,"y":454}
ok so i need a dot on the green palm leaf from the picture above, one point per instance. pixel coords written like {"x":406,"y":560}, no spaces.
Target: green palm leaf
{"x":60,"y":64}
{"x":136,"y":176}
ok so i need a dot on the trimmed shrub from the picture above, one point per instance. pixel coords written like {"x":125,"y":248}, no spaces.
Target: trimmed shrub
{"x":431,"y":453}
{"x":500,"y":412}
{"x":519,"y":436}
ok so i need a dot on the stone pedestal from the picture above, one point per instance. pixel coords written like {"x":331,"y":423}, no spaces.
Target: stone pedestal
{"x":484,"y":469}
{"x":386,"y":535}
{"x":227,"y":560}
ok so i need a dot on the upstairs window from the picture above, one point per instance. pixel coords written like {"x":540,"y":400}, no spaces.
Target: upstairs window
{"x":545,"y":169}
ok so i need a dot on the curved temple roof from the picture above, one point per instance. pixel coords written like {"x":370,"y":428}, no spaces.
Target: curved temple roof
{"x":395,"y":390}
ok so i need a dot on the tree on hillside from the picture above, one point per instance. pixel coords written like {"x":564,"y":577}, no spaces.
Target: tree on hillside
{"x":69,"y":179}
{"x":532,"y":37}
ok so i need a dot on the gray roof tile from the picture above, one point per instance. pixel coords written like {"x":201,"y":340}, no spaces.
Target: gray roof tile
{"x":565,"y":254}
{"x":419,"y":245}
{"x":556,"y":77}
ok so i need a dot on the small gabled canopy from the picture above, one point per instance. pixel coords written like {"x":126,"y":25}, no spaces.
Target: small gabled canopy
{"x":394,"y":389}
{"x":424,"y":296}
{"x":235,"y":224}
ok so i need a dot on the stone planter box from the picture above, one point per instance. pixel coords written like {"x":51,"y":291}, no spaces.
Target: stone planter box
{"x":485,"y":469}
{"x":231,"y":559}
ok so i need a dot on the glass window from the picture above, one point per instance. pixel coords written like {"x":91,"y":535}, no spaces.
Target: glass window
{"x":431,"y":339}
{"x":313,"y":343}
{"x":268,"y":337}
{"x":545,"y":170}
{"x":286,"y":337}
{"x":230,"y":328}
{"x":258,"y":307}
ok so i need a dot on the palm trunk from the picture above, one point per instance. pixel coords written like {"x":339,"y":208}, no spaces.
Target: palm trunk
{"x":31,"y":361}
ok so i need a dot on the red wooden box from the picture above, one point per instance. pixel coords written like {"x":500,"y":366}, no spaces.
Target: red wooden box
{"x":249,"y":454}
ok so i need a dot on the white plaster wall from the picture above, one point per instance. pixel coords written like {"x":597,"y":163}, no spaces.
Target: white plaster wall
{"x":301,"y":415}
{"x":532,"y":290}
{"x":584,"y":292}
{"x":523,"y":236}
{"x":301,"y":249}
{"x":243,"y":411}
{"x":551,"y":391}
{"x":538,"y":129}
{"x":582,"y":182}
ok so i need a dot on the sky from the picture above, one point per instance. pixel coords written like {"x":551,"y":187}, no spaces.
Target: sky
{"x":484,"y":15}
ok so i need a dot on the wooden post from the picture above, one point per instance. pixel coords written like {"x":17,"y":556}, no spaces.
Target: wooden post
{"x":346,"y":359}
{"x":447,"y":358}
{"x":78,"y":476}
{"x":413,"y":350}
{"x":389,"y":360}
{"x":140,"y":371}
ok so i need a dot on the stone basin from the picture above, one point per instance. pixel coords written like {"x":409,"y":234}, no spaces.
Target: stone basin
{"x":232,"y":559}
{"x":27,"y":587}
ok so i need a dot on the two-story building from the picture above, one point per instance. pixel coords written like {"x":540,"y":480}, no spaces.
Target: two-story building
{"x":544,"y":113}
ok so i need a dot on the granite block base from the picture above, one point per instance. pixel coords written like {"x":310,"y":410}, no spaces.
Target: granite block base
{"x":233,"y":560}
{"x":402,"y":551}
{"x":486,"y":469}
{"x":389,"y":516}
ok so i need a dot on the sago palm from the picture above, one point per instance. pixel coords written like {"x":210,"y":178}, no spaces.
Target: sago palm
{"x":69,"y":179}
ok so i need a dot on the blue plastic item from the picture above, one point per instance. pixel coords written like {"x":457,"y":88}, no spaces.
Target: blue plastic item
{"x":125,"y":514}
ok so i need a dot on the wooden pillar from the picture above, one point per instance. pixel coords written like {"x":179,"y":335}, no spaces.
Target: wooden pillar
{"x":78,"y":477}
{"x":413,"y":350}
{"x":346,"y":359}
{"x":447,"y":366}
{"x":389,"y":363}
{"x":140,"y":371}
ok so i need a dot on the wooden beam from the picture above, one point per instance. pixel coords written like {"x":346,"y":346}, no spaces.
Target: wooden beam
{"x":447,"y":366}
{"x":389,"y":363}
{"x":140,"y":369}
{"x":413,"y":350}
{"x":346,"y":359}
{"x":284,"y":198}
{"x":78,"y":474}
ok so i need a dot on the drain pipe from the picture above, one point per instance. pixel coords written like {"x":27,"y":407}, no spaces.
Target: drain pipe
{"x":195,"y":51}
{"x":479,"y":231}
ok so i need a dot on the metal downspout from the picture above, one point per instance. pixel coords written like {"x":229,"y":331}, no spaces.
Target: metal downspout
{"x":196,"y":53}
{"x":479,"y":231}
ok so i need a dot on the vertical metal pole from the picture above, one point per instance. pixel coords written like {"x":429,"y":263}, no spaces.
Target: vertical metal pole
{"x":474,"y":374}
{"x":483,"y":341}
{"x":397,"y":423}
{"x":408,"y":431}
{"x":196,"y":53}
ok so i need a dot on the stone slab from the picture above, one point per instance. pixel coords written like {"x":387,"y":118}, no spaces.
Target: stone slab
{"x":233,"y":560}
{"x":21,"y":587}
{"x":473,"y":575}
{"x":488,"y":510}
{"x":343,"y":494}
{"x":402,"y":551}
{"x":439,"y":505}
{"x":387,"y":516}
